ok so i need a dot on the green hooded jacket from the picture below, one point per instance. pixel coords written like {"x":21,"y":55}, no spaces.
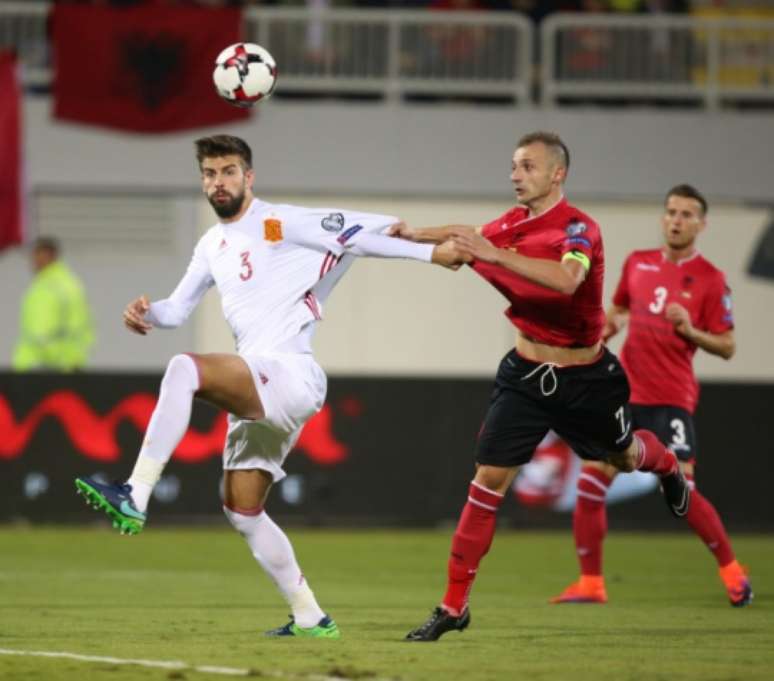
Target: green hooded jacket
{"x":56,"y":329}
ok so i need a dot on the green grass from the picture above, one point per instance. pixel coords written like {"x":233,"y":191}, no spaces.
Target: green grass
{"x":196,"y":595}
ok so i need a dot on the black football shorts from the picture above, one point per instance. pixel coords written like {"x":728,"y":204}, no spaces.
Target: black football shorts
{"x":672,"y":425}
{"x":587,"y":405}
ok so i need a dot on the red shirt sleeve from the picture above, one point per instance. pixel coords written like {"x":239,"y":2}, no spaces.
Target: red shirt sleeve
{"x":581,"y":238}
{"x":718,"y":311}
{"x":621,"y":296}
{"x":496,"y":225}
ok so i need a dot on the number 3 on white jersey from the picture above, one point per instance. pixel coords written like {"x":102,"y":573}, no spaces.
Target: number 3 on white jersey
{"x":660,"y":295}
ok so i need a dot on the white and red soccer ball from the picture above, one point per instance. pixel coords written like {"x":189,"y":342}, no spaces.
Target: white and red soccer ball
{"x":245,"y":73}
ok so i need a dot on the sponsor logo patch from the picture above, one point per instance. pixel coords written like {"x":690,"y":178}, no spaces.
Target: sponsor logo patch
{"x":272,"y":230}
{"x":333,"y":222}
{"x":347,"y":234}
{"x":648,"y":268}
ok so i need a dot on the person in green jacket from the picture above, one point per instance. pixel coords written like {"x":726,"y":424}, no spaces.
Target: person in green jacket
{"x":55,"y":327}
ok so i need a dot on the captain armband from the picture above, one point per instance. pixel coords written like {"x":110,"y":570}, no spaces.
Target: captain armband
{"x":582,"y":258}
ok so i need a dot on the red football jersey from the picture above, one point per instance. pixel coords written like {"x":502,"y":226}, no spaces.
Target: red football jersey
{"x":542,"y":314}
{"x":658,"y":360}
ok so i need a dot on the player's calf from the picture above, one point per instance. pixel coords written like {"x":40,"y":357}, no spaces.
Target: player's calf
{"x":653,"y":457}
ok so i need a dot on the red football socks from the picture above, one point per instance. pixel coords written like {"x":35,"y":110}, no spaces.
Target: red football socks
{"x":470,"y":544}
{"x":653,"y":456}
{"x":705,"y":522}
{"x":589,"y":520}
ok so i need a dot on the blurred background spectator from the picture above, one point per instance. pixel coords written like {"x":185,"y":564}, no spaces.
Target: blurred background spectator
{"x":55,"y":325}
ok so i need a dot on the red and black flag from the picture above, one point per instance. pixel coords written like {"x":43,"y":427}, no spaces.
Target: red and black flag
{"x":145,"y":68}
{"x":11,"y":222}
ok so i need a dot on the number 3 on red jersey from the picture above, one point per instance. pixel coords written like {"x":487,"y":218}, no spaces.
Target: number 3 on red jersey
{"x":246,"y":266}
{"x":659,"y":298}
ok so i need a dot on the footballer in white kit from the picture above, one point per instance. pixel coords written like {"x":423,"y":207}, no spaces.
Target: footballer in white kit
{"x":274,"y":266}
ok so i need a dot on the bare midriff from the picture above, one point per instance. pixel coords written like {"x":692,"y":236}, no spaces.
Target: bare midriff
{"x":535,"y":351}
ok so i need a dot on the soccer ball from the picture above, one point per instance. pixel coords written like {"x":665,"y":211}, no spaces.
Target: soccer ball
{"x":245,"y":73}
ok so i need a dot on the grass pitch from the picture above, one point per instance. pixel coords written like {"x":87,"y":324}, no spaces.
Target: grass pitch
{"x":196,"y":595}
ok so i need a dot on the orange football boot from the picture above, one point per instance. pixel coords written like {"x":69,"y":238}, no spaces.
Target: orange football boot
{"x":588,"y":589}
{"x":737,"y":584}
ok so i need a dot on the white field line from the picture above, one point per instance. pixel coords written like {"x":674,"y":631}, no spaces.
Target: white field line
{"x":176,"y":664}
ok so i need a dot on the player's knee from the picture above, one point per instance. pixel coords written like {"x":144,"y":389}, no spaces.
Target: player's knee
{"x":234,"y":519}
{"x":625,"y":461}
{"x":495,"y":478}
{"x":240,"y":520}
{"x":182,"y":369}
{"x":607,"y":469}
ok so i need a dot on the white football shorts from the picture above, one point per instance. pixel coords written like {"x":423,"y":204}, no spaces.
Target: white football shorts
{"x":292,"y":389}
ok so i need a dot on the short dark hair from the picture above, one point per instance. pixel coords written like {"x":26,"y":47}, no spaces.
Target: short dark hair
{"x":552,"y":141}
{"x":223,"y":145}
{"x":46,"y":243}
{"x":688,"y":191}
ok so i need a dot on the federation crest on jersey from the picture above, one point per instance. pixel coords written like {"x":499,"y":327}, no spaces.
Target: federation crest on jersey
{"x":272,"y":230}
{"x":333,"y":222}
{"x":576,"y":228}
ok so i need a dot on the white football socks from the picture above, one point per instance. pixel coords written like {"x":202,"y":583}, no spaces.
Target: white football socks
{"x":273,"y":551}
{"x":166,"y":428}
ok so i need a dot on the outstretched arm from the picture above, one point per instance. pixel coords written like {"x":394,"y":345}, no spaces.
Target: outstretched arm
{"x":430,"y":235}
{"x":563,"y":276}
{"x":380,"y":246}
{"x":364,"y":235}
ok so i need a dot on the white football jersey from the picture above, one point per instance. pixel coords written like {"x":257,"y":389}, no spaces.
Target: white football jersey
{"x":273,"y":269}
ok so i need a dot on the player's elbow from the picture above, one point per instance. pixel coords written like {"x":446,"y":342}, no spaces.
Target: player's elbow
{"x":728,"y":350}
{"x":568,"y":286}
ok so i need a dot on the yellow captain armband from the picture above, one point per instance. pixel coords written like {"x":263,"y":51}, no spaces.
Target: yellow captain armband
{"x":582,"y":258}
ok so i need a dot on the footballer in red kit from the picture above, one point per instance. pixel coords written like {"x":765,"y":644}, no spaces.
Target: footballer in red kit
{"x":658,"y":361}
{"x":546,"y":257}
{"x":546,"y":315}
{"x":674,"y":301}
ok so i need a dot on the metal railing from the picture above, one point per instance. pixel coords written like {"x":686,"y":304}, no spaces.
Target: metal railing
{"x":414,"y":54}
{"x":397,"y":53}
{"x":661,"y":57}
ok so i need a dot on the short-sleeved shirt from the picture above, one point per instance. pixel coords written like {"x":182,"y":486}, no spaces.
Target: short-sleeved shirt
{"x":540,"y":313}
{"x":657,"y":359}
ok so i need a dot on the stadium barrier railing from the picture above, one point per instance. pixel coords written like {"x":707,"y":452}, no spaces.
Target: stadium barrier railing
{"x":400,"y":55}
{"x":709,"y":60}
